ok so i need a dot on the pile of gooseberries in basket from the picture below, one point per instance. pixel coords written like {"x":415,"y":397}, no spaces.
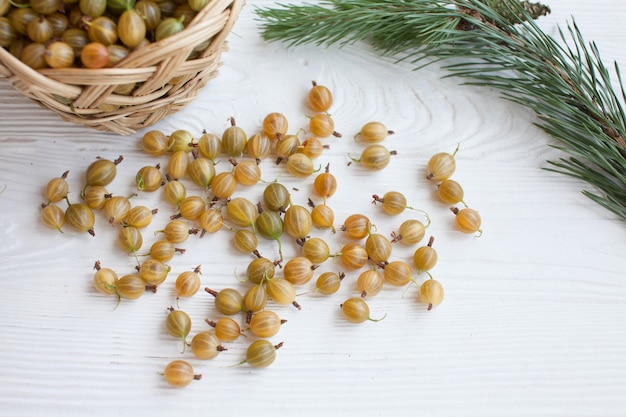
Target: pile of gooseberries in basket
{"x":200,"y":181}
{"x":89,"y":33}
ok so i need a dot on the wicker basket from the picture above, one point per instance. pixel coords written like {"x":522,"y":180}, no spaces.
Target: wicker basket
{"x":166,"y":81}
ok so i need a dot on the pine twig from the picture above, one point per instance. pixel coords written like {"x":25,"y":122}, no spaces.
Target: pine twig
{"x":494,"y":43}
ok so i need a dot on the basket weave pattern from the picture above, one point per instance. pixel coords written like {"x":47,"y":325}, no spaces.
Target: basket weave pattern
{"x":166,"y":80}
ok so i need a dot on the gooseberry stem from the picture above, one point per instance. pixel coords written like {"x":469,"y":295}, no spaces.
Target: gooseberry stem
{"x":377,"y":320}
{"x":456,"y":150}
{"x":412,"y":281}
{"x":423,"y":212}
{"x":236,"y":364}
{"x":119,"y":301}
{"x":136,"y":258}
{"x":427,"y":220}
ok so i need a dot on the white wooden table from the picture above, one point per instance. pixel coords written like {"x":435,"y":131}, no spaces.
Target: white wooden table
{"x":535,"y":309}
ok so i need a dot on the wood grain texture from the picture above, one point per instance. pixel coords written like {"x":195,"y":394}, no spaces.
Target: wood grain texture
{"x":532,"y":322}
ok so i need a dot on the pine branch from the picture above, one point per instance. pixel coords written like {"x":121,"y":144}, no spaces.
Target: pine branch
{"x":344,"y":22}
{"x":494,"y":43}
{"x":534,"y":10}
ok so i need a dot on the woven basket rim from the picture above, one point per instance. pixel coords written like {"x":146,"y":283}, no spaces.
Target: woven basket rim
{"x":7,"y":57}
{"x":165,"y":77}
